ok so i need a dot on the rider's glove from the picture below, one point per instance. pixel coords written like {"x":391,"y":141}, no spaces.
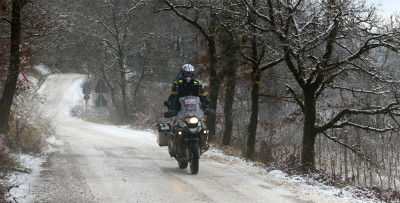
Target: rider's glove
{"x":168,"y":114}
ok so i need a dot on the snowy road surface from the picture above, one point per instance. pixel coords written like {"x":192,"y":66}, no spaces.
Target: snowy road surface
{"x":105,"y":163}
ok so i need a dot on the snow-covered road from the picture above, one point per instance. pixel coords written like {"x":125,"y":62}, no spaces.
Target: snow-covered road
{"x":105,"y":163}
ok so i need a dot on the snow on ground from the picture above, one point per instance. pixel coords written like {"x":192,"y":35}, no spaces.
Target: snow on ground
{"x":32,"y":164}
{"x":24,"y":181}
{"x":302,"y":188}
{"x":306,"y":189}
{"x":52,"y":141}
{"x":311,"y":184}
{"x":44,"y":70}
{"x":33,"y":80}
{"x":122,"y":131}
{"x":64,"y":97}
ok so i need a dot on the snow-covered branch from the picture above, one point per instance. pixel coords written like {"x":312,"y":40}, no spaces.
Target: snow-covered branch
{"x":374,"y":91}
{"x":364,"y":127}
{"x":390,"y":108}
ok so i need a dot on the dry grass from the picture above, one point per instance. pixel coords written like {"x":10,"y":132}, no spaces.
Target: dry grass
{"x":96,"y":120}
{"x":27,"y":133}
{"x":6,"y":167}
{"x":28,"y":127}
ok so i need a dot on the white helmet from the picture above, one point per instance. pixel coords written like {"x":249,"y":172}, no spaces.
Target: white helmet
{"x":187,"y":72}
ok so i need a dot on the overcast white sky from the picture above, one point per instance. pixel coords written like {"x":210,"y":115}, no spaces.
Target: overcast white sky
{"x":388,"y":7}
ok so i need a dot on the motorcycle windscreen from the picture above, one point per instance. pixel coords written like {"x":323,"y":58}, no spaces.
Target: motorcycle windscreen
{"x":190,"y":107}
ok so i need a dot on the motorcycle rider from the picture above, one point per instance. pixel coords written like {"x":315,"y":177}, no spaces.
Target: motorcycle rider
{"x":186,"y":85}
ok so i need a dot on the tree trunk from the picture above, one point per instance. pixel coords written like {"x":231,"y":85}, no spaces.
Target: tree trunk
{"x":123,"y":87}
{"x":11,"y":82}
{"x":112,"y":92}
{"x":255,"y":89}
{"x":114,"y":101}
{"x":137,"y":88}
{"x":252,"y":128}
{"x":309,"y":132}
{"x":215,"y":84}
{"x":346,"y":170}
{"x":229,"y":100}
{"x":230,"y":56}
{"x":124,"y":104}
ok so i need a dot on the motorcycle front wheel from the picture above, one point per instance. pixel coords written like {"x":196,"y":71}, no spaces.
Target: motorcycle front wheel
{"x":194,"y":162}
{"x":182,"y":164}
{"x":194,"y":166}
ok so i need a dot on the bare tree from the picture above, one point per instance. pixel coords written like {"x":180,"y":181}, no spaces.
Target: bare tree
{"x":116,"y":38}
{"x":207,"y":26}
{"x":230,"y":31}
{"x":323,"y":43}
{"x":10,"y":85}
{"x":260,"y":58}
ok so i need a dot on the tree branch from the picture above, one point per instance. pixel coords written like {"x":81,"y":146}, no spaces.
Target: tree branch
{"x":388,"y":109}
{"x":356,"y":152}
{"x":272,"y":64}
{"x":296,"y":97}
{"x":5,"y":19}
{"x":368,"y":128}
{"x":187,"y":19}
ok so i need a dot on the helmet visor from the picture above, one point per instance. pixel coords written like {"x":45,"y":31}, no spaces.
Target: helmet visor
{"x":187,"y":74}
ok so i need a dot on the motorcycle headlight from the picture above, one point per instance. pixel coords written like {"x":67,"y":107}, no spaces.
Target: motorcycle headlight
{"x":192,"y":120}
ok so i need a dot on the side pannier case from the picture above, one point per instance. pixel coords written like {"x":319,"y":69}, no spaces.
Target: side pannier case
{"x":163,"y":134}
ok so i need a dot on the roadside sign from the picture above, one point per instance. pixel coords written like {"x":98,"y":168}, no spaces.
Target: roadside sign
{"x":101,"y":102}
{"x":23,"y":75}
{"x":87,"y":88}
{"x":100,"y":87}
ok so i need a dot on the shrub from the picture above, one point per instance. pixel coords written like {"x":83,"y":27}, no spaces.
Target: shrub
{"x":6,"y":167}
{"x":28,"y":127}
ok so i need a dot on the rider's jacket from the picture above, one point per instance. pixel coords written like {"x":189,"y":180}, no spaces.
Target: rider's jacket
{"x":181,"y":88}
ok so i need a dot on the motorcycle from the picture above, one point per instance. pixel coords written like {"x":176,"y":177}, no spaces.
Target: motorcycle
{"x":187,"y":136}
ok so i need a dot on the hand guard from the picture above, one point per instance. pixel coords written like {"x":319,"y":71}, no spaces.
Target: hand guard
{"x":169,"y":114}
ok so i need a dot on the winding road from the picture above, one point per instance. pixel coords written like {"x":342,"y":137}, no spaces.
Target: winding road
{"x":105,"y":163}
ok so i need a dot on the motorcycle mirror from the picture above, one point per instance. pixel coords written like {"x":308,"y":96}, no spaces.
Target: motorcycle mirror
{"x":166,"y":103}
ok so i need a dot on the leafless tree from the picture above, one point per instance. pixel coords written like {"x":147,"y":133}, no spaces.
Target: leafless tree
{"x":323,"y":43}
{"x":23,"y":23}
{"x":202,"y":16}
{"x":116,"y":37}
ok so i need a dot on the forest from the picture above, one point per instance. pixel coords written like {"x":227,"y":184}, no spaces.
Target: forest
{"x":304,"y":86}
